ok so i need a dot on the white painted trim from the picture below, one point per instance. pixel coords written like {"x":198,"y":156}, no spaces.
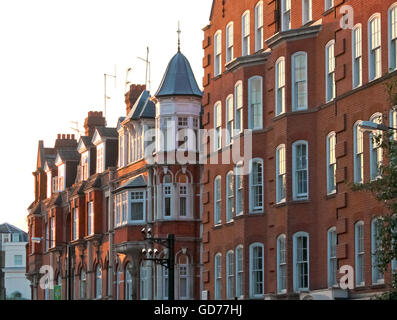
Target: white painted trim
{"x":295,"y":271}
{"x":294,"y":107}
{"x":294,"y":187}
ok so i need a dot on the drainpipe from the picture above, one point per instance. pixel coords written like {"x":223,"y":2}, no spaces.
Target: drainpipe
{"x":111,"y":235}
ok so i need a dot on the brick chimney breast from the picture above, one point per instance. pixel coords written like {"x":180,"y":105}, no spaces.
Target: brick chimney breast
{"x":132,"y":95}
{"x":94,"y":119}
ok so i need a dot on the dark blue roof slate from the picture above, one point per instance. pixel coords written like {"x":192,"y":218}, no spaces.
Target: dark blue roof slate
{"x":179,"y":79}
{"x":143,"y":107}
{"x":137,"y":182}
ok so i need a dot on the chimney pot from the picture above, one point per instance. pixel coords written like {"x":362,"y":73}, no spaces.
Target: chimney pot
{"x":59,"y":136}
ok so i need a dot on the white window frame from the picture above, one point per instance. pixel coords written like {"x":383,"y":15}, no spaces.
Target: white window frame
{"x":137,"y":196}
{"x":374,"y":49}
{"x":239,"y":271}
{"x":328,"y":4}
{"x":90,"y":218}
{"x":332,"y":262}
{"x":128,"y":289}
{"x":296,"y":195}
{"x":331,"y":163}
{"x":281,"y":174}
{"x":218,"y":53}
{"x":145,"y":273}
{"x":259,"y":26}
{"x":296,"y":271}
{"x":358,"y":148}
{"x":185,"y":277}
{"x":238,"y":107}
{"x":252,"y":117}
{"x":377,"y":275}
{"x":82,"y":284}
{"x":217,"y":126}
{"x":218,"y":276}
{"x":229,"y":119}
{"x":330,"y":87}
{"x":357,"y":56}
{"x":239,"y":180}
{"x":245,"y":33}
{"x":375,"y":149}
{"x":280,"y":86}
{"x":230,"y":201}
{"x":52,"y":232}
{"x":307,"y":11}
{"x":295,"y":106}
{"x":217,"y":200}
{"x":61,"y":185}
{"x":184,"y":194}
{"x":285,"y":15}
{"x":100,"y":161}
{"x":359,"y":254}
{"x":85,"y":165}
{"x":230,"y":269}
{"x":253,"y":293}
{"x":393,"y":122}
{"x":229,"y":42}
{"x":282,"y":264}
{"x":259,"y":184}
{"x":392,"y":36}
{"x":75,"y":234}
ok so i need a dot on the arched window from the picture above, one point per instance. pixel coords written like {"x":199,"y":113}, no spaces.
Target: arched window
{"x":358,"y":154}
{"x":229,"y":119}
{"x":357,"y":56}
{"x":331,"y":254}
{"x":359,"y":253}
{"x":280,"y":86}
{"x":300,"y":169}
{"x":218,"y":126}
{"x":375,"y":148}
{"x":245,"y":34}
{"x":374,"y":47}
{"x":281,"y":264}
{"x":128,"y":283}
{"x":229,"y":42}
{"x":238,"y":105}
{"x":230,"y":196}
{"x":255,"y":103}
{"x":239,"y":271}
{"x":392,"y":26}
{"x":218,"y":276}
{"x":259,"y":26}
{"x":299,"y":81}
{"x":256,"y":186}
{"x":217,"y":200}
{"x":281,"y":174}
{"x":218,"y":53}
{"x":83,"y":282}
{"x":256,"y":270}
{"x":301,"y":261}
{"x":377,"y":275}
{"x":330,"y":89}
{"x":98,"y":282}
{"x":230,"y":281}
{"x":331,"y":163}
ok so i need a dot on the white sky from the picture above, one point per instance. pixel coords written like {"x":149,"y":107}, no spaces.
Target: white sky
{"x":53,"y":55}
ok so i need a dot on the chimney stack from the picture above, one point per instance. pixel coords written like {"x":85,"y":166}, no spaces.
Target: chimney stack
{"x":65,"y":141}
{"x":132,"y":95}
{"x":94,"y":119}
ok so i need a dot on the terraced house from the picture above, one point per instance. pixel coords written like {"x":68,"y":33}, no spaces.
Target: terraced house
{"x":93,"y":197}
{"x":301,"y":77}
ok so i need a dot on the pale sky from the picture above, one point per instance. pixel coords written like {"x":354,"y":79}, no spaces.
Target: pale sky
{"x":53,"y":56}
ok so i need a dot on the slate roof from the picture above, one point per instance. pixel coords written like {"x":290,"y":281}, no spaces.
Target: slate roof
{"x":94,"y":182}
{"x":78,"y":189}
{"x":179,"y":79}
{"x":69,"y":155}
{"x":107,"y":132}
{"x":136,"y":182}
{"x":87,"y":141}
{"x":143,"y":107}
{"x":8,"y":228}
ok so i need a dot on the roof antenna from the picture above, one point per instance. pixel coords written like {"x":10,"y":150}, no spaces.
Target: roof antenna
{"x":147,"y":61}
{"x":179,"y":36}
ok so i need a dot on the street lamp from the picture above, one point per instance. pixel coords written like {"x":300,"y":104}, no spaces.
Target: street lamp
{"x":373,"y":126}
{"x":69,"y":277}
{"x":167,"y":262}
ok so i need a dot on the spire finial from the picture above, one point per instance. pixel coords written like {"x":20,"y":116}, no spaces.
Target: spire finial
{"x":179,"y":36}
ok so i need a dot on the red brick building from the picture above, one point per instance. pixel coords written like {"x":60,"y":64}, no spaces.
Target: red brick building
{"x":301,"y":79}
{"x":94,"y":196}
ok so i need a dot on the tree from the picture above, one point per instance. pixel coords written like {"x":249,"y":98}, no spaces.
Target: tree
{"x":384,"y":189}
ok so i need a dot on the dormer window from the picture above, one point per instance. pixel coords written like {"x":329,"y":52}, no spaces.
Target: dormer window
{"x":100,"y":160}
{"x":60,"y":185}
{"x":85,"y":168}
{"x":49,"y":184}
